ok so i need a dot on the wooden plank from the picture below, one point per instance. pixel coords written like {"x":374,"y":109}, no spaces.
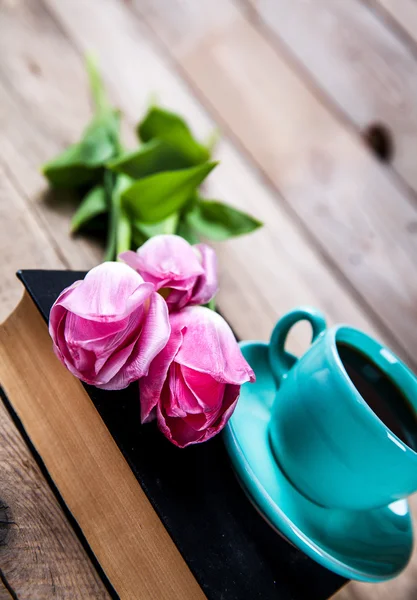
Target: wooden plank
{"x":19,"y":156}
{"x":23,"y":244}
{"x":30,"y":133}
{"x":295,"y":253}
{"x":264,"y":274}
{"x":118,"y":521}
{"x":4,"y":593}
{"x":344,"y":198}
{"x":360,"y":63}
{"x":403,"y":12}
{"x":42,"y":558}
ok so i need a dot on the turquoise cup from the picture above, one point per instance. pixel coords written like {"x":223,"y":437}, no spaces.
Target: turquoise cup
{"x":327,"y":440}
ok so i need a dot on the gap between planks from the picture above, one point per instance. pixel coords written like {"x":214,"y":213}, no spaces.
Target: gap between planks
{"x":335,"y":311}
{"x":401,"y":15}
{"x":27,"y":140}
{"x":359,"y":68}
{"x":41,"y":556}
{"x":4,"y":592}
{"x":23,"y":243}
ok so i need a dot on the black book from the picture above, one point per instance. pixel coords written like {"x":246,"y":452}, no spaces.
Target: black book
{"x":231,"y":551}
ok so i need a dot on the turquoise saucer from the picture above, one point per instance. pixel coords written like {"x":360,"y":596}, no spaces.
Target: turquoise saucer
{"x":369,"y":546}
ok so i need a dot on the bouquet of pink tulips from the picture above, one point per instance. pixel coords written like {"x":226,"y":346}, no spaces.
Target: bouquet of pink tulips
{"x":143,"y":320}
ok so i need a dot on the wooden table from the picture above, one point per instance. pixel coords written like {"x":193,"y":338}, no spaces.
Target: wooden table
{"x":317,"y":105}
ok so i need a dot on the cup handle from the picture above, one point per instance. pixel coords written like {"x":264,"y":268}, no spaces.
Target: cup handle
{"x":280,"y":360}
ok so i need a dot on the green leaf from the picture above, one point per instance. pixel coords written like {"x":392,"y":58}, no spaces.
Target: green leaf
{"x":117,"y":233}
{"x":212,"y":140}
{"x":124,"y":233}
{"x":167,"y":226}
{"x":154,"y":198}
{"x":212,"y":304}
{"x":98,"y":91}
{"x":186,"y":231}
{"x":93,"y":204}
{"x":169,"y":127}
{"x":218,"y":221}
{"x":81,"y":163}
{"x":153,"y":157}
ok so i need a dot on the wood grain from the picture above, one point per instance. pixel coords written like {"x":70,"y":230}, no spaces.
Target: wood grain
{"x":363,"y":66}
{"x":23,"y":244}
{"x":31,"y":82}
{"x":264,"y":274}
{"x":4,"y":594}
{"x":121,"y":527}
{"x":347,"y":202}
{"x":403,"y":12}
{"x":325,"y":242}
{"x":42,"y":558}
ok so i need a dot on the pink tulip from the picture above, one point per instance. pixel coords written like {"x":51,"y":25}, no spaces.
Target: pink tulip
{"x":109,"y":327}
{"x":185,"y":274}
{"x":193,"y":384}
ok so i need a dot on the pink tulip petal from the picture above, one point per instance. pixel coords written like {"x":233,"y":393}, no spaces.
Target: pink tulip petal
{"x":151,"y":384}
{"x":109,"y":292}
{"x":108,"y":328}
{"x":82,"y":360}
{"x":213,"y":426}
{"x":115,"y":375}
{"x":74,"y":370}
{"x":209,"y":346}
{"x":109,"y":363}
{"x":58,"y":313}
{"x":230,"y":398}
{"x":153,"y":338}
{"x":90,"y":344}
{"x":177,"y":430}
{"x":177,"y":299}
{"x":169,"y":261}
{"x":183,"y":432}
{"x":130,"y":258}
{"x":206,"y":286}
{"x":183,"y":401}
{"x":57,"y":324}
{"x":207,"y":390}
{"x":193,"y":386}
{"x":198,"y":422}
{"x":172,"y":392}
{"x":182,"y":285}
{"x":91,"y":335}
{"x":168,"y":256}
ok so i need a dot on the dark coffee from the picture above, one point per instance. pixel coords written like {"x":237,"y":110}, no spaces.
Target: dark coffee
{"x":381,"y":394}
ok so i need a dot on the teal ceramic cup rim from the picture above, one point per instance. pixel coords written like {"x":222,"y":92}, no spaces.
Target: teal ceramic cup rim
{"x":329,"y":442}
{"x":387,"y":361}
